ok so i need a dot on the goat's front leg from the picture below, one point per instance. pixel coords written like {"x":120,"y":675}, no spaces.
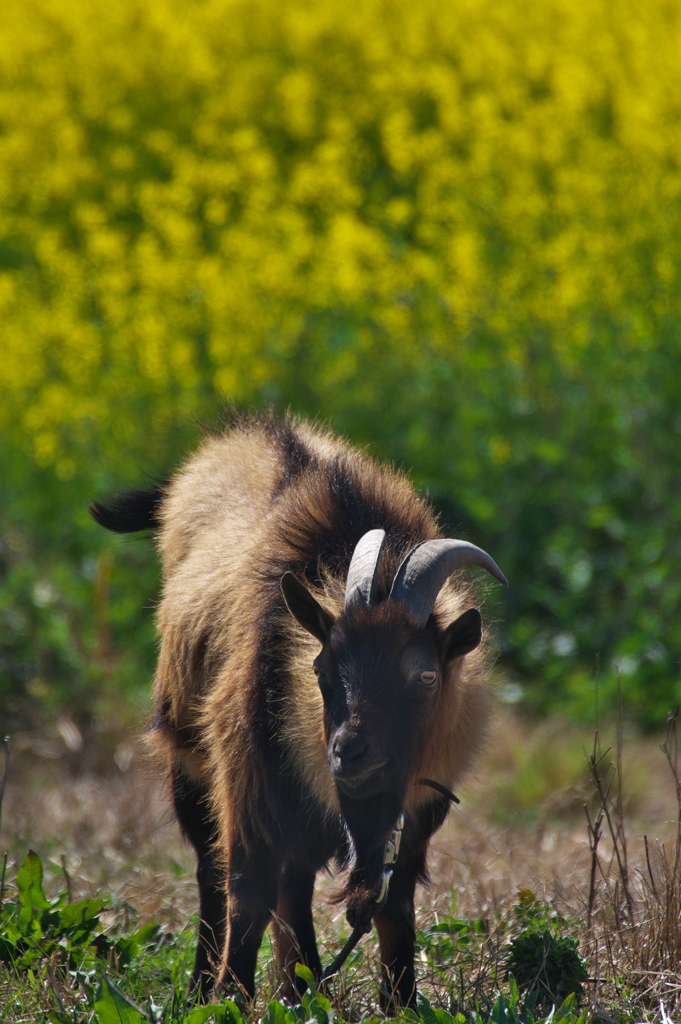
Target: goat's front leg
{"x":396,"y":928}
{"x":252,"y":884}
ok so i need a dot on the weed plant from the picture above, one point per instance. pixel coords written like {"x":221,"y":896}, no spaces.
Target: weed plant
{"x":633,"y":914}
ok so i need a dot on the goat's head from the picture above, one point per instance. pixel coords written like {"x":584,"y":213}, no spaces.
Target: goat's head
{"x":382,"y":664}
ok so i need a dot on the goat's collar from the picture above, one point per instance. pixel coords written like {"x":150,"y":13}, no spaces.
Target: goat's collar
{"x":439,"y":788}
{"x":391,"y":850}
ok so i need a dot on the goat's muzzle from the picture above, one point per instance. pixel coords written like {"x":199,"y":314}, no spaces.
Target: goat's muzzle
{"x":355,"y":766}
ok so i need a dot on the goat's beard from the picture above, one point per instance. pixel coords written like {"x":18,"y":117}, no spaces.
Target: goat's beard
{"x":369,"y":822}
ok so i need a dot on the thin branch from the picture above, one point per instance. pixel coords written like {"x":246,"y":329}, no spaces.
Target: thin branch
{"x":650,"y":870}
{"x":2,"y":880}
{"x":67,"y":878}
{"x":670,"y":748}
{"x":5,"y":744}
{"x":595,"y":833}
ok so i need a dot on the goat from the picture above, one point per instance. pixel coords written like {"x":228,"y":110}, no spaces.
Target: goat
{"x":316,"y":663}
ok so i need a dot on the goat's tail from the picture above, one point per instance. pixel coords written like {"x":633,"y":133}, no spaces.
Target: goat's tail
{"x":129,"y":511}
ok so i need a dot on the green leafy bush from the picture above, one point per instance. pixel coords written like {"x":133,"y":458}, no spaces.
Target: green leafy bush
{"x":541,"y":959}
{"x":547,"y":969}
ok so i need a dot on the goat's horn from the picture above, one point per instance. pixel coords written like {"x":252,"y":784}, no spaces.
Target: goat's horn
{"x":423,"y":572}
{"x":362,"y":572}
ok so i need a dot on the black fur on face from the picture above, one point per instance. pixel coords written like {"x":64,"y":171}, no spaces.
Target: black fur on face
{"x":379,"y":674}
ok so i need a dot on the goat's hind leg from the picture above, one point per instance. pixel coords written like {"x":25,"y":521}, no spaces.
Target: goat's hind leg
{"x":252,"y":885}
{"x":199,"y":827}
{"x":293,"y":927}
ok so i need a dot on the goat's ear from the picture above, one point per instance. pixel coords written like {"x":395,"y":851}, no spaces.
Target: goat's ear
{"x":462,"y":636}
{"x":305,"y":608}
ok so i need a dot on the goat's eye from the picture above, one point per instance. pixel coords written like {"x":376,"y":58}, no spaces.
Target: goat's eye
{"x":322,"y":682}
{"x":428,"y":678}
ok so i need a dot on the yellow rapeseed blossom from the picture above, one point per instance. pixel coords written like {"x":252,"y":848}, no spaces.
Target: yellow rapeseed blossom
{"x":194,"y":195}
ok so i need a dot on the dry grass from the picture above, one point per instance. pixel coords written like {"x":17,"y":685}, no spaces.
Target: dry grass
{"x":109,"y":832}
{"x":100,"y":819}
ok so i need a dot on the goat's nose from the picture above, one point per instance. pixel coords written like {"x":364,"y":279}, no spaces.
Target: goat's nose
{"x":349,"y":749}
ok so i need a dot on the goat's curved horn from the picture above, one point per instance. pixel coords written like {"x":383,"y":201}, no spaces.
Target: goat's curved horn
{"x":362,"y":572}
{"x":423,"y":572}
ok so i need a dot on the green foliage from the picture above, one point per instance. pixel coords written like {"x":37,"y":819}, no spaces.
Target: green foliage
{"x":542,"y":966}
{"x":62,"y":943}
{"x":532,"y":915}
{"x":506,"y":1009}
{"x":39,"y":935}
{"x":547,"y":969}
{"x":314,"y":1005}
{"x":34,"y":929}
{"x":449,"y":940}
{"x":542,"y":961}
{"x":113,"y":1007}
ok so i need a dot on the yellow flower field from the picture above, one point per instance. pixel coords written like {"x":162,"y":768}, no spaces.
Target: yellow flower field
{"x":184,"y":186}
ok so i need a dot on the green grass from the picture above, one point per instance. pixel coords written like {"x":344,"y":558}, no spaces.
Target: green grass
{"x":60,"y":965}
{"x":527,"y":919}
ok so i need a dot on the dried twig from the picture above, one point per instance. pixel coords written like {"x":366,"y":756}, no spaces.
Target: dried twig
{"x":595,"y":832}
{"x":55,"y":987}
{"x":2,"y":880}
{"x":614,"y":812}
{"x":5,"y":769}
{"x":670,"y":748}
{"x":650,"y":870}
{"x":619,"y":803}
{"x":67,"y":878}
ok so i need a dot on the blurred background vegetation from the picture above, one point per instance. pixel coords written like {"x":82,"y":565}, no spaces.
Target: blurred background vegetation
{"x":453,"y":231}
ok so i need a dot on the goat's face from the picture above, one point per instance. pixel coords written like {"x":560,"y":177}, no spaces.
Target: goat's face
{"x":380,"y":675}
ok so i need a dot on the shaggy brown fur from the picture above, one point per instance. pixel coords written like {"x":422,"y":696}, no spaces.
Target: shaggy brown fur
{"x":240,"y":722}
